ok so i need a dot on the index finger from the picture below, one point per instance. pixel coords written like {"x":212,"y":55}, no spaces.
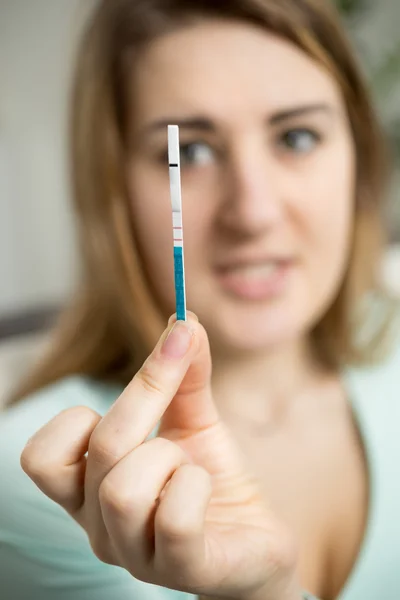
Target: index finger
{"x":141,"y":405}
{"x":137,"y":411}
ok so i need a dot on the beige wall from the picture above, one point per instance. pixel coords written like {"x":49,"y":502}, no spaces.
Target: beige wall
{"x":37,"y":38}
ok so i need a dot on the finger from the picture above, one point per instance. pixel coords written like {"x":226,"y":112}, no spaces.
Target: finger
{"x":190,"y":315}
{"x":138,"y":409}
{"x":129,"y":496}
{"x":136,"y":412}
{"x":192,"y":408}
{"x":54,"y":458}
{"x":180,"y":526}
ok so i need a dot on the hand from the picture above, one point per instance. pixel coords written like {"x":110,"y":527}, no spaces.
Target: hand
{"x":180,"y":510}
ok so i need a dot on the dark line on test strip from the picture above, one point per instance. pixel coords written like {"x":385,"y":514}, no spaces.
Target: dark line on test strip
{"x":173,"y":164}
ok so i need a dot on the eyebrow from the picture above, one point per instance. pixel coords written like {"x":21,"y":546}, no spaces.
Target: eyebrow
{"x":191,"y":123}
{"x":199,"y":123}
{"x":298,"y":111}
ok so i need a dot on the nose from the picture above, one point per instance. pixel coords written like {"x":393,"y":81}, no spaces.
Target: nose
{"x":252,"y":202}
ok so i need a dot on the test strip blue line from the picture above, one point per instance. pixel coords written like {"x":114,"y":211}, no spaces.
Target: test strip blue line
{"x":179,"y":284}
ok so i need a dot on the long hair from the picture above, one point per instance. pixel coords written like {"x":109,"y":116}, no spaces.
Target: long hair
{"x":114,"y":320}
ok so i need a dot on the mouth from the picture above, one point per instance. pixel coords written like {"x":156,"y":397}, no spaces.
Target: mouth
{"x":258,"y":280}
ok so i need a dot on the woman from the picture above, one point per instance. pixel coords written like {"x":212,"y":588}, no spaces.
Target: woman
{"x":275,"y":474}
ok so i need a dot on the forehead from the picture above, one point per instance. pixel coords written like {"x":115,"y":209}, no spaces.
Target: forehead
{"x":228,"y":68}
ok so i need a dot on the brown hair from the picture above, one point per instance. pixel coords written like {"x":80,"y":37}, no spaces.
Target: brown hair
{"x":114,"y":320}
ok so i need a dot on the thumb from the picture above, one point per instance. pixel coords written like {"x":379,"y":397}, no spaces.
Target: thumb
{"x":192,"y":407}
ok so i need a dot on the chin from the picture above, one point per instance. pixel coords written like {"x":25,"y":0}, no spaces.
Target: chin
{"x":237,"y":324}
{"x":257,"y":328}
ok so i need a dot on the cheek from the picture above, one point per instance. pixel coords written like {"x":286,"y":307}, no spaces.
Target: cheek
{"x":152,"y":225}
{"x":330,"y":203}
{"x":329,"y":216}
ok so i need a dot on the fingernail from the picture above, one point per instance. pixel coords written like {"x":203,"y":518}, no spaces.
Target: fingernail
{"x":172,"y":319}
{"x":178,"y":341}
{"x":190,"y":315}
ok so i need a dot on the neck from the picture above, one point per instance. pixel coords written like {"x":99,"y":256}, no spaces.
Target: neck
{"x":268,"y":381}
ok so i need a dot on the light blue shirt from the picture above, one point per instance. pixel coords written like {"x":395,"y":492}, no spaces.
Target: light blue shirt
{"x":45,"y":555}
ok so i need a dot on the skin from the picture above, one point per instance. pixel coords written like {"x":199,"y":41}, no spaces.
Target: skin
{"x":180,"y":510}
{"x":269,"y":172}
{"x":246,"y":191}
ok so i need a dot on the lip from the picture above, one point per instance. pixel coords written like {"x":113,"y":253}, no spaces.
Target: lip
{"x":266,"y":286}
{"x":245,"y":261}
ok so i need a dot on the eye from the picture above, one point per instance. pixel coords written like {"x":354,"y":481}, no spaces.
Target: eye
{"x":196,"y":154}
{"x":301,"y":140}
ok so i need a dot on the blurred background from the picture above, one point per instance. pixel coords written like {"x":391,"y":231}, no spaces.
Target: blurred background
{"x":38,"y":261}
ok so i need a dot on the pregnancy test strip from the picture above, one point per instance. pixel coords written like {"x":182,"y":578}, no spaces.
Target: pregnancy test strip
{"x":176,"y":201}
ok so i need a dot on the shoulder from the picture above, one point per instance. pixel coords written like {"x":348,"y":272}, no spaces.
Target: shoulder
{"x":381,"y":379}
{"x":21,"y":420}
{"x":44,"y":553}
{"x":37,"y":538}
{"x":17,"y":424}
{"x":374,"y":396}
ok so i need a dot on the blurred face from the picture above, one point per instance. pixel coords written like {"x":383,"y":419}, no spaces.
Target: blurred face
{"x":267,"y":171}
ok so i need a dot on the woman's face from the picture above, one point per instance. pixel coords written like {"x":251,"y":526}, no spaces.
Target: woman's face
{"x":267,"y":167}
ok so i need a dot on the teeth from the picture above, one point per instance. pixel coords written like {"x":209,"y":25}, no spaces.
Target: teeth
{"x":255,"y":271}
